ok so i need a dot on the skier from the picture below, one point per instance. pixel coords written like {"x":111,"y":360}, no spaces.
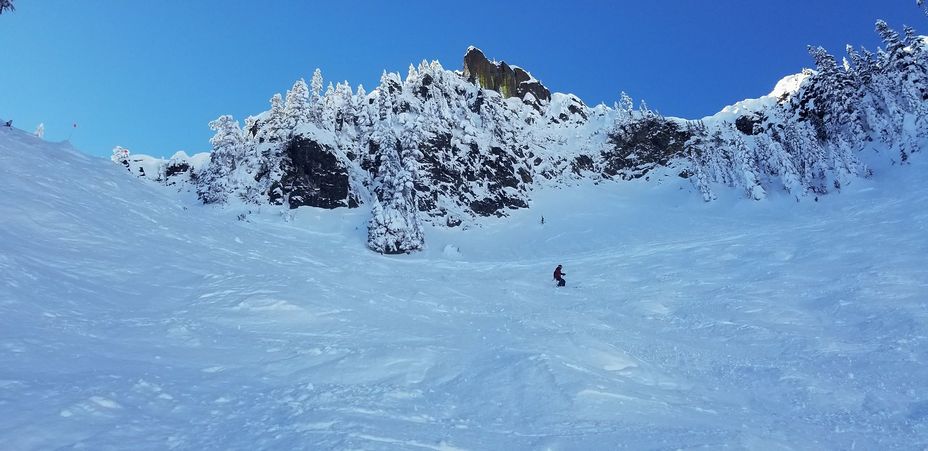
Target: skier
{"x":559,"y":276}
{"x":8,"y":123}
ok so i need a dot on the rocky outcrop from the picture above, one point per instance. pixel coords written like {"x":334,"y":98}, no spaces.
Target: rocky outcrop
{"x":464,"y":180}
{"x":750,"y":124}
{"x":179,"y":171}
{"x":467,"y":151}
{"x":641,"y":145}
{"x":509,"y":81}
{"x":313,"y":176}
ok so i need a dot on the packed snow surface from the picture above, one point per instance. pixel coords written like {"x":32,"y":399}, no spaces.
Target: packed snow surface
{"x":131,"y":318}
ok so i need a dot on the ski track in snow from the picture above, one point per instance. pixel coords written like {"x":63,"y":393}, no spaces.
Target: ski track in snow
{"x":130,"y":317}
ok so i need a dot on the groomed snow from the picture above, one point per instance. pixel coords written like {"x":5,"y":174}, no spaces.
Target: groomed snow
{"x":131,"y":319}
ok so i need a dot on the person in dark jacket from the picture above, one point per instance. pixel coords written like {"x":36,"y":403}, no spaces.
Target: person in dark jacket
{"x":559,"y":276}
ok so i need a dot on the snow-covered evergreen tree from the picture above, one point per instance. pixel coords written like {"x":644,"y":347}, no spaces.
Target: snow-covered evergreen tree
{"x":395,"y":226}
{"x":644,"y":109}
{"x":315,"y":99}
{"x":120,"y":156}
{"x":901,"y":86}
{"x":746,"y":169}
{"x":316,"y":84}
{"x":296,"y":106}
{"x":412,"y":76}
{"x":274,"y":128}
{"x":343,"y":105}
{"x":6,"y":5}
{"x":361,"y":108}
{"x":387,"y":95}
{"x":250,"y":131}
{"x":40,"y":131}
{"x":695,"y":152}
{"x":217,"y":183}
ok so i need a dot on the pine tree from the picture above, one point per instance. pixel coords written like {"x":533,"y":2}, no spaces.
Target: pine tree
{"x":6,"y":5}
{"x":315,"y":99}
{"x":361,"y":108}
{"x":911,"y":39}
{"x":120,"y":156}
{"x":216,"y":184}
{"x":645,"y":111}
{"x":695,"y":151}
{"x":901,"y":84}
{"x":274,"y":128}
{"x":747,"y":169}
{"x":623,"y":110}
{"x":250,"y":131}
{"x":411,"y":76}
{"x":328,"y":109}
{"x":316,"y":84}
{"x":296,"y":107}
{"x":626,"y":103}
{"x":387,"y":95}
{"x":843,"y":162}
{"x":40,"y":131}
{"x":837,"y":97}
{"x":395,"y":226}
{"x":344,"y":106}
{"x":776,"y":162}
{"x":916,"y":67}
{"x":719,"y":159}
{"x":860,"y":70}
{"x":806,"y":152}
{"x":890,"y":38}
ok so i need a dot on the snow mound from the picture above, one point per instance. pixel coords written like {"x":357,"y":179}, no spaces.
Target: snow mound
{"x":784,"y":89}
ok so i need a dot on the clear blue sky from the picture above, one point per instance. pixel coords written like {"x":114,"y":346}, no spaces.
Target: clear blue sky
{"x":149,"y":75}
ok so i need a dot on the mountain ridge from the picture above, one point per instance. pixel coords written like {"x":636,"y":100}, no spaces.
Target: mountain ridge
{"x":448,"y":146}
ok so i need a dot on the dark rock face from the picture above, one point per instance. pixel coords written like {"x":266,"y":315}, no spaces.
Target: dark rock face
{"x":581,"y":164}
{"x":457,"y":174}
{"x":639,"y":146}
{"x":177,"y":172}
{"x":500,"y":77}
{"x":313,"y":176}
{"x":749,"y":125}
{"x":177,"y":168}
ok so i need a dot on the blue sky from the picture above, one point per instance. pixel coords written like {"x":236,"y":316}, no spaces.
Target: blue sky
{"x":150,"y":75}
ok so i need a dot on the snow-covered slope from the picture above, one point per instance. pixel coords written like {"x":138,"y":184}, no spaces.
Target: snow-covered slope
{"x":134,"y":318}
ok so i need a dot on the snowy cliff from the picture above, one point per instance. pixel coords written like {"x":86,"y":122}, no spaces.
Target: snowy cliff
{"x":446,"y":146}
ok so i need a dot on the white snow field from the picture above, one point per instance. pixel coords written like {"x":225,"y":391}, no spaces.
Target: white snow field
{"x":131,"y":318}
